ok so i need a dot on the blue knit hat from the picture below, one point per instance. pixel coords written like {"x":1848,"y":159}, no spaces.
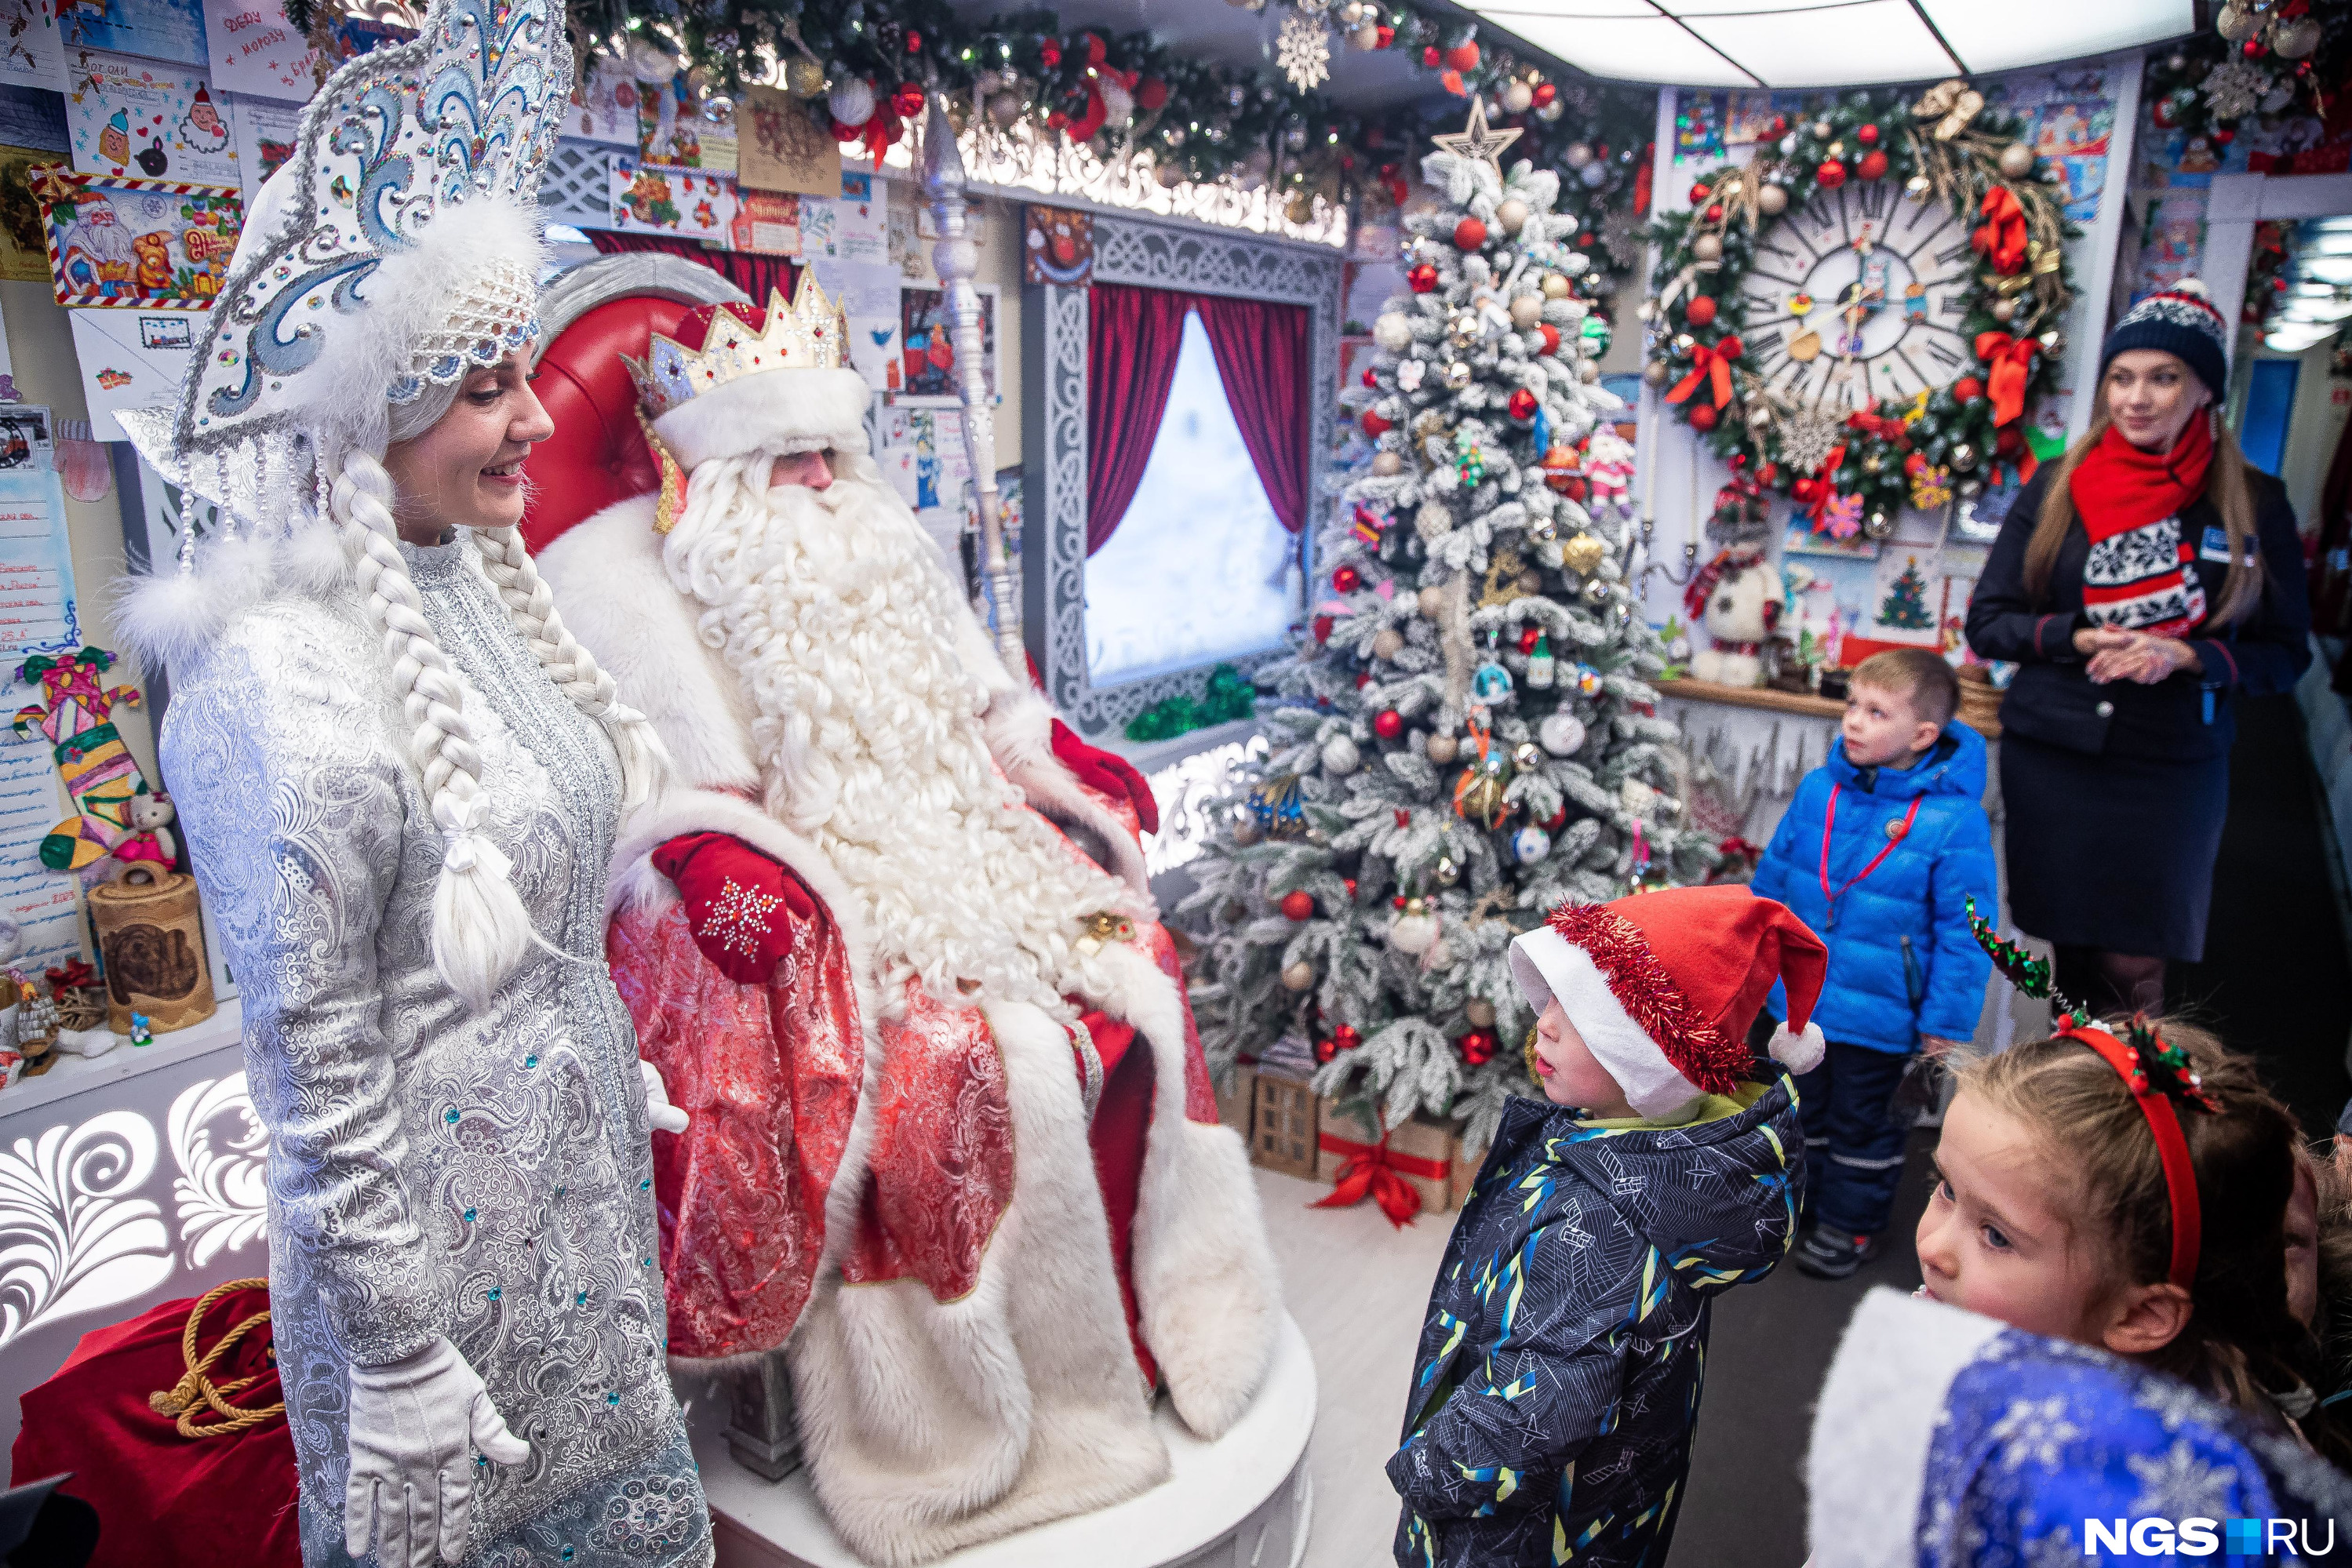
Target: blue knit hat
{"x":2179,"y":321}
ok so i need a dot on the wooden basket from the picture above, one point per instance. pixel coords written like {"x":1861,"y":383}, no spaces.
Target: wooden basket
{"x":1979,"y":702}
{"x":151,"y":938}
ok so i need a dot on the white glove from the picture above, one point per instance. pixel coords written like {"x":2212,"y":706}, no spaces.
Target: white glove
{"x":660,"y":1114}
{"x":413,"y":1426}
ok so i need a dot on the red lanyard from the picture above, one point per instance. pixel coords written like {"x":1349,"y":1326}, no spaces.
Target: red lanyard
{"x":1828,"y":829}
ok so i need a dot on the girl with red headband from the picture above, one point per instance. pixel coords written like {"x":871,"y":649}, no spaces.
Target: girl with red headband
{"x":2126,"y":1188}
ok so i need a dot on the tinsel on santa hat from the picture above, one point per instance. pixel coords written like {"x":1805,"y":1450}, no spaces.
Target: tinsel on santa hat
{"x":1664,"y":986}
{"x":1494,"y":606}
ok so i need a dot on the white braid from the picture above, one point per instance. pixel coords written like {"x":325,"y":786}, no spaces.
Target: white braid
{"x":574,"y":671}
{"x":479,"y":927}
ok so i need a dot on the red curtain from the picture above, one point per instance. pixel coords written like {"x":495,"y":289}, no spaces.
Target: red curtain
{"x":1261,"y":349}
{"x":754,"y":274}
{"x":1132,"y":336}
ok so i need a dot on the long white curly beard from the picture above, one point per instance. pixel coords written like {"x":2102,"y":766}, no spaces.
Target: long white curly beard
{"x":834,"y":609}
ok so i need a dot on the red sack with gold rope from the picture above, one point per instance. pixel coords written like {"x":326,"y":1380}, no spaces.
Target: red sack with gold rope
{"x":224,"y":1498}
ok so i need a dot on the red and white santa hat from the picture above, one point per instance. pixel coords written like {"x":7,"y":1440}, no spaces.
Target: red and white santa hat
{"x":1664,"y":986}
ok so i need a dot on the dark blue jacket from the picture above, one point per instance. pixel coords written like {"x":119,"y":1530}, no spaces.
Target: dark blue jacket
{"x":2186,"y":719}
{"x":1558,"y":1380}
{"x":1902,"y":963}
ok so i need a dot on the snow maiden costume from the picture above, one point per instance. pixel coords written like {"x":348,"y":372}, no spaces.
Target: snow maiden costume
{"x":401,"y":781}
{"x":1949,"y":1440}
{"x":953,"y":1141}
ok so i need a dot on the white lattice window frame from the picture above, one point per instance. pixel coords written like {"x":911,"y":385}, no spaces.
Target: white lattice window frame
{"x":1053,"y":445}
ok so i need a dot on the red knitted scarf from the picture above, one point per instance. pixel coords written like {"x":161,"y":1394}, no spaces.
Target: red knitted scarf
{"x":2118,"y":486}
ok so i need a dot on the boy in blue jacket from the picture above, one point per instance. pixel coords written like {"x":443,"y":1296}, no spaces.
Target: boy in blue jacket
{"x":1880,"y":852}
{"x":1557,"y":1385}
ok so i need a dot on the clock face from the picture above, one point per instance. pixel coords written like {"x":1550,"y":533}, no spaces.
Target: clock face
{"x":1859,"y":296}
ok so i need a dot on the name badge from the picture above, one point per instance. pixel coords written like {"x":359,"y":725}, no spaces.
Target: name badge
{"x":2216,"y":544}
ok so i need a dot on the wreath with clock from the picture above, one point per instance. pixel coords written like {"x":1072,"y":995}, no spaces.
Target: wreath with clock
{"x":1860,"y":315}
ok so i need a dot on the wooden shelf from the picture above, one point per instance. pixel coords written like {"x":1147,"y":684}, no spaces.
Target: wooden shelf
{"x":1799,"y":703}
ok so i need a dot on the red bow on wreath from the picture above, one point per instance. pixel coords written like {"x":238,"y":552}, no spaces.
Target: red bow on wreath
{"x":1816,"y":492}
{"x":1885,"y":429}
{"x":1371,"y":1169}
{"x":2001,"y":238}
{"x":2012,"y":362}
{"x":1708,"y":364}
{"x":73,"y":976}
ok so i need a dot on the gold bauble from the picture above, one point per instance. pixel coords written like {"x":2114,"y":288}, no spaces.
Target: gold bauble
{"x":1246,"y":831}
{"x":1480,"y":1012}
{"x":1387,"y":464}
{"x":1481,"y":799}
{"x":1708,"y":247}
{"x":2017,"y":159}
{"x":1773,"y":201}
{"x":1526,"y":311}
{"x":1387,"y":643}
{"x":1527,"y":756}
{"x":1656,"y":372}
{"x":1531,"y":581}
{"x":1443,"y":748}
{"x":1299,"y":977}
{"x":1365,"y":38}
{"x":1582,"y":553}
{"x":1003,"y":109}
{"x":1555,"y":285}
{"x":1511,"y":214}
{"x":805,"y":78}
{"x":1432,"y":601}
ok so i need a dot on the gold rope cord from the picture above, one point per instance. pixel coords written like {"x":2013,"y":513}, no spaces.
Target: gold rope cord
{"x":196,"y":1393}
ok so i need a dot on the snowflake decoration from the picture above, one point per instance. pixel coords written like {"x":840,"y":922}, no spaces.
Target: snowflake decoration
{"x":2234,"y":89}
{"x":1303,"y":50}
{"x":1807,"y":437}
{"x":2036,"y":1432}
{"x":739,"y":918}
{"x":2179,"y":1485}
{"x":1621,"y":236}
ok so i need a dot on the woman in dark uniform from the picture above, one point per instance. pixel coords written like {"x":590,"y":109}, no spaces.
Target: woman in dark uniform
{"x":2140,"y":583}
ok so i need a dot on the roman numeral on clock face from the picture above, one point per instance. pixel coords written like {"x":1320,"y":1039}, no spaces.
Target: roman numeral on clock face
{"x":1875,"y":199}
{"x":1943,"y":353}
{"x":1953,"y":255}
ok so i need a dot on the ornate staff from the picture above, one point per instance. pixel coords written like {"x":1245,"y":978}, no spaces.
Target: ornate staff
{"x":956,"y":259}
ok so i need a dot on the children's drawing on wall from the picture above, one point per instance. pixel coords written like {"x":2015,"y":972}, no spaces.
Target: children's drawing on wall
{"x":927,"y":351}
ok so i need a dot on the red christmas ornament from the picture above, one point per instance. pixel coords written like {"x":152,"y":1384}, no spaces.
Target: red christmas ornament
{"x":1346,"y":1036}
{"x":1545,"y":93}
{"x":1399,"y":899}
{"x":1528,"y":637}
{"x":1469,"y":235}
{"x":2164,"y":116}
{"x":1388,"y":724}
{"x":2223,"y":136}
{"x":1298,"y":905}
{"x":1478,"y":1047}
{"x":1730,"y":348}
{"x":1779,"y":125}
{"x":1371,"y":378}
{"x":1363,"y":679}
{"x":1403,"y":820}
{"x":1347,"y":579}
{"x":1702,"y":417}
{"x":1700,"y":312}
{"x":1429,"y":56}
{"x":1151,"y":93}
{"x":1873,"y":165}
{"x":1325,"y":1050}
{"x":1700,"y":193}
{"x":1371,"y":424}
{"x":1522,"y":404}
{"x":2008,"y":440}
{"x":1573,"y":486}
{"x":1323,"y":624}
{"x":1557,"y":820}
{"x":1867,"y":136}
{"x":1452,"y":82}
{"x":1350,"y":883}
{"x":1967,"y":388}
{"x":1464,"y":56}
{"x":1831,"y":174}
{"x":1551,"y":337}
{"x":1050,"y":53}
{"x":1386,"y":34}
{"x":1714,"y":213}
{"x":1422,"y":277}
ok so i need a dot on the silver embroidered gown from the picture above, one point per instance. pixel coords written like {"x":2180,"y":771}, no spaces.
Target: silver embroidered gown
{"x":432,"y":1171}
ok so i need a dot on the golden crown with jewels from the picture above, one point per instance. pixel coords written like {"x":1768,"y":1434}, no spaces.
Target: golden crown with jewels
{"x":811,"y":334}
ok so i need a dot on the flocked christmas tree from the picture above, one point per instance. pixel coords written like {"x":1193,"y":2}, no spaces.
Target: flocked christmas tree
{"x":1464,"y":739}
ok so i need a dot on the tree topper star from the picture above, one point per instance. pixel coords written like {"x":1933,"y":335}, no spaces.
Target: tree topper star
{"x":1476,"y":140}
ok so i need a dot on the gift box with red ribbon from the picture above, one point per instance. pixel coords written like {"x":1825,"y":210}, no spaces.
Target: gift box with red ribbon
{"x":1417,"y":1166}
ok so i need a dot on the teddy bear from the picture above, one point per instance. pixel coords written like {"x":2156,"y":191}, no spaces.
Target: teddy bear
{"x":154,"y":262}
{"x":151,"y":836}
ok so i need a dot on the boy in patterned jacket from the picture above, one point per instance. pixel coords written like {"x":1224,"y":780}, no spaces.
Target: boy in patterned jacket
{"x":1555,"y":1389}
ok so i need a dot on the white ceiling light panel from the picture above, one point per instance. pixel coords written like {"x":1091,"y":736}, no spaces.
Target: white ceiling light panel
{"x":1827,"y":43}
